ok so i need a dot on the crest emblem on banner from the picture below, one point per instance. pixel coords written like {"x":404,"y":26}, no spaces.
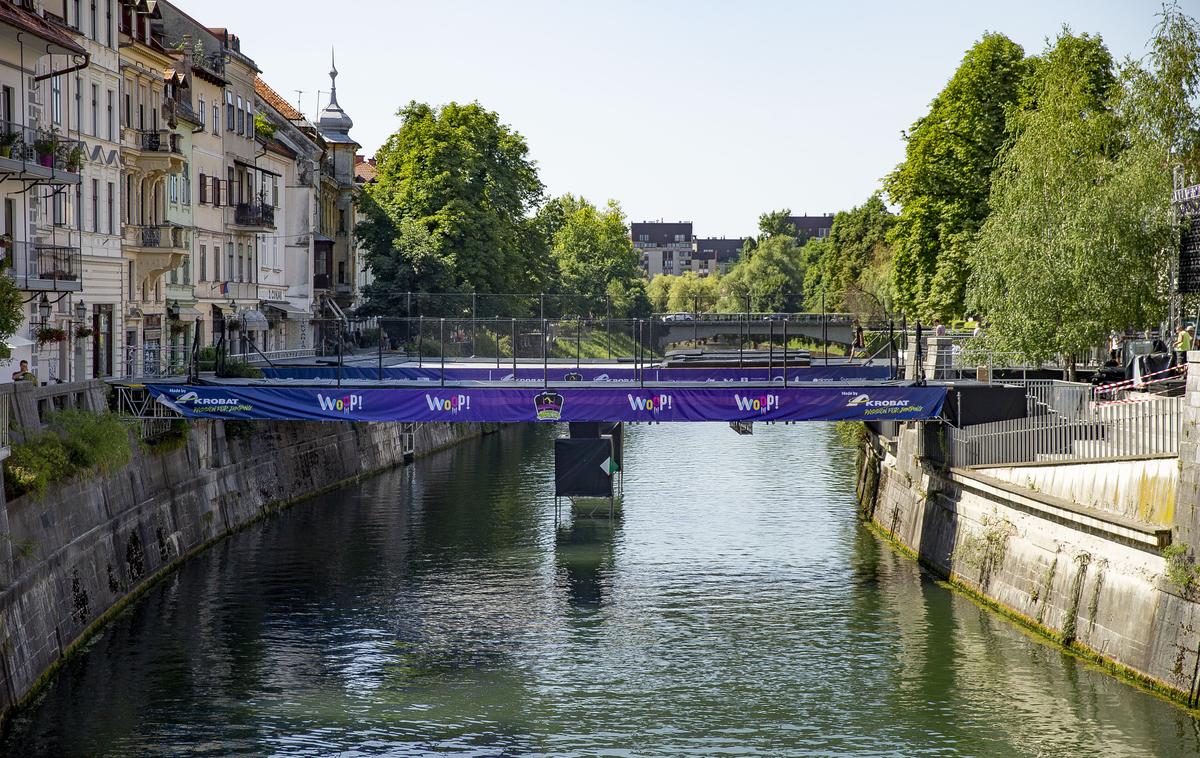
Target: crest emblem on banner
{"x":548,"y":405}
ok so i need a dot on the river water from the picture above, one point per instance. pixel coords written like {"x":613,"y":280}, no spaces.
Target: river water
{"x":736,"y":607}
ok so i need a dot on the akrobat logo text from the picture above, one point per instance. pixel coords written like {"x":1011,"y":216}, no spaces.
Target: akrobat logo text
{"x":452,"y":404}
{"x":762,"y":403}
{"x":346,"y":404}
{"x":651,"y":404}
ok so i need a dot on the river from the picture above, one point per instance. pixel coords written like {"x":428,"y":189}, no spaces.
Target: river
{"x":736,"y":607}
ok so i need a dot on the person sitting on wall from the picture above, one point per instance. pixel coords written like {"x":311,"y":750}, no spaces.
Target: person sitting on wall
{"x":22,"y":374}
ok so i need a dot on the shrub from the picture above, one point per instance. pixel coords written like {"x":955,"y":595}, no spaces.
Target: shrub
{"x":93,"y":441}
{"x":239,"y":369}
{"x":34,"y":464}
{"x":75,"y":442}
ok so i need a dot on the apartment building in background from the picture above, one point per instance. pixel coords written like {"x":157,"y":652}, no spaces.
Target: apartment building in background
{"x":665,"y":247}
{"x":716,"y":254}
{"x":811,"y":227}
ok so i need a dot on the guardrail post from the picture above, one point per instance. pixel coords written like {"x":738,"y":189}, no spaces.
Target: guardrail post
{"x":442,"y":349}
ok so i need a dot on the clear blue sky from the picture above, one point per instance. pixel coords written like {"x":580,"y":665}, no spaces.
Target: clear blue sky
{"x":681,"y":110}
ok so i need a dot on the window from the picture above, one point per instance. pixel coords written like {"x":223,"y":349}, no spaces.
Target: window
{"x":56,"y":99}
{"x":229,"y":268}
{"x":127,"y":208}
{"x":241,"y":117}
{"x":342,"y":220}
{"x":95,"y":22}
{"x":111,"y":203}
{"x":341,"y":272}
{"x":216,"y":263}
{"x":95,"y":110}
{"x":216,"y":119}
{"x":229,"y":117}
{"x":96,"y":206}
{"x":141,"y":107}
{"x":110,"y":116}
{"x":241,"y":270}
{"x":59,"y":205}
{"x":127,"y":114}
{"x":108,"y":22}
{"x":7,"y":98}
{"x":203,"y":118}
{"x":275,"y":191}
{"x":79,"y":103}
{"x":187,"y":184}
{"x":203,"y":189}
{"x":131,"y":291}
{"x":186,"y":273}
{"x":216,"y":193}
{"x":230,"y":196}
{"x":77,"y":22}
{"x":174,"y":185}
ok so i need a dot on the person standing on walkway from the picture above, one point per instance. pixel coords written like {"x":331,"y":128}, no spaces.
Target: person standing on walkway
{"x":1183,"y":343}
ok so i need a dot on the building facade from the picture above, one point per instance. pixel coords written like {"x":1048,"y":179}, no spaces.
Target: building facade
{"x":665,"y":248}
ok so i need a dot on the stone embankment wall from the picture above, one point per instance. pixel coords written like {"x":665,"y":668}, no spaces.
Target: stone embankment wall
{"x":84,"y":547}
{"x":1094,"y":579}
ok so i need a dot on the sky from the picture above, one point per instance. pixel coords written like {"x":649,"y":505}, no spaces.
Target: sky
{"x":710,"y":112}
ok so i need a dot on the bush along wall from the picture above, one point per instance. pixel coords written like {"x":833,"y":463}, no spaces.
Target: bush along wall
{"x":74,"y":443}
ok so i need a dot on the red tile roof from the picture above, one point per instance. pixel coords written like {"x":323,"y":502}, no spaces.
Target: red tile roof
{"x":276,"y":101}
{"x":364,"y":169}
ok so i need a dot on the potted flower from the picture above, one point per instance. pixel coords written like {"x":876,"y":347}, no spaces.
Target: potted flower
{"x":75,"y":159}
{"x":83,"y":332}
{"x":176,"y":327}
{"x":46,"y":146}
{"x":48,"y":334}
{"x":233,"y":325}
{"x":7,"y":141}
{"x":6,"y":241}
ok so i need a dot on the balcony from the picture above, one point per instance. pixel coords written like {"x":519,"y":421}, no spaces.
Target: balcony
{"x":254,"y":216}
{"x":38,"y":154}
{"x":158,"y":248}
{"x":37,"y":266}
{"x":154,"y":151}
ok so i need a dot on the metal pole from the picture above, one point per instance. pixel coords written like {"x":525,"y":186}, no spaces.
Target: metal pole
{"x":641,"y":371}
{"x":785,"y":351}
{"x":824,"y":329}
{"x":770,"y":350}
{"x":339,"y":363}
{"x":545,"y":356}
{"x":578,"y":339}
{"x":651,"y":341}
{"x":473,"y":335}
{"x":696,"y":322}
{"x":514,"y":348}
{"x":420,"y":333}
{"x":542,"y":298}
{"x":379,"y":339}
{"x":608,"y":324}
{"x":442,"y":348}
{"x":892,"y":345}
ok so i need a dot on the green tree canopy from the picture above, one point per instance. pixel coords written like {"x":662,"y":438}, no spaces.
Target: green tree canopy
{"x":465,"y":179}
{"x":691,"y":292}
{"x":772,"y":278}
{"x":845,"y":267}
{"x":591,"y":249}
{"x":944,"y":182}
{"x":1079,"y":233}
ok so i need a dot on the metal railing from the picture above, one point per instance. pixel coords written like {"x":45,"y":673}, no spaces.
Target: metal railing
{"x":158,"y":141}
{"x":1072,"y":428}
{"x":37,"y":266}
{"x":158,"y":236}
{"x":152,"y":362}
{"x":153,"y":418}
{"x":254,"y":214}
{"x":41,"y":149}
{"x":268,"y":356}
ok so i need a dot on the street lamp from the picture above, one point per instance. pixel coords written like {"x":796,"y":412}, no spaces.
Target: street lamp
{"x":80,"y":312}
{"x":44,"y":309}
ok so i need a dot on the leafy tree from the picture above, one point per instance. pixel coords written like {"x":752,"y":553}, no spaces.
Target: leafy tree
{"x":659,"y":291}
{"x":837,"y":266}
{"x":591,"y":249}
{"x":944,"y":181}
{"x":692,"y":292}
{"x":1079,"y":230}
{"x":773,"y":223}
{"x":465,"y":179}
{"x":772,"y":278}
{"x":11,"y":313}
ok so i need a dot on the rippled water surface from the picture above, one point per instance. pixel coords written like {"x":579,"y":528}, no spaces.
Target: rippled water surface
{"x":735,"y":608}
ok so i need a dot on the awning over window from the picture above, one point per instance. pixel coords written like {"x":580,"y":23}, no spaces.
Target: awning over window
{"x":287,"y":309}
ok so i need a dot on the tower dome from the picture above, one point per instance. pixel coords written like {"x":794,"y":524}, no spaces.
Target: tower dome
{"x":333,"y":122}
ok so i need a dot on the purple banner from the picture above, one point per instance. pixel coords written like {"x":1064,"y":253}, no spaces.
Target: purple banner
{"x":835,"y":373}
{"x":518,"y":404}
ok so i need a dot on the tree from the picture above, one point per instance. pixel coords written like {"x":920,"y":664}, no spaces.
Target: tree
{"x":773,"y":223}
{"x":692,"y":292}
{"x":467,"y":181}
{"x":659,"y":292}
{"x":11,"y":313}
{"x":772,"y":278}
{"x":837,"y":267}
{"x":591,"y":249}
{"x":944,"y":182}
{"x":1079,"y":229}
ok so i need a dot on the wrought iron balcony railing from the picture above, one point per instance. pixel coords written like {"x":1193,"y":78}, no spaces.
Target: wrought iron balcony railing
{"x":159,"y":141}
{"x":254,"y":214}
{"x":163,"y":236}
{"x":37,"y":266}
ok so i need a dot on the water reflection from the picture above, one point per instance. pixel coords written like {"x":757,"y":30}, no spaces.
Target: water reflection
{"x":735,"y":606}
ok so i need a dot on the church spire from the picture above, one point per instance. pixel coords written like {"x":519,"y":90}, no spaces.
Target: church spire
{"x":332,"y":78}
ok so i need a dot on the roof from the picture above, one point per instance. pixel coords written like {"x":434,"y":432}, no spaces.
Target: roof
{"x":275,"y":100}
{"x":364,"y":170}
{"x":25,"y":19}
{"x":277,"y":147}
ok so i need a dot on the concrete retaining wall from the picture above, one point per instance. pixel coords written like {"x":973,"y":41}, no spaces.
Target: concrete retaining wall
{"x":85,"y":546}
{"x":1087,"y":577}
